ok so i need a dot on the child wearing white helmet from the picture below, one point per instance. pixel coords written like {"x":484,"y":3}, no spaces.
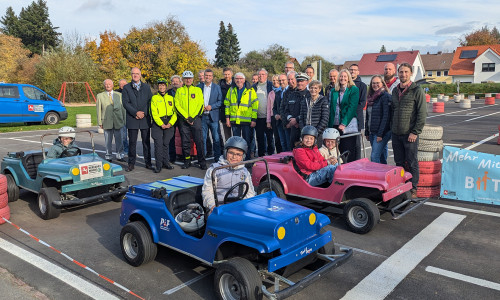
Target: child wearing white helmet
{"x":329,"y":148}
{"x":64,"y":144}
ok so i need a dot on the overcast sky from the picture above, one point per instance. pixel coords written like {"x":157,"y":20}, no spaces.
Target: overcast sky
{"x":336,"y":30}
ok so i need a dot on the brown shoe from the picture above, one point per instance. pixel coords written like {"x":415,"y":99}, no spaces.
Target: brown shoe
{"x":130,"y":168}
{"x":414,"y":194}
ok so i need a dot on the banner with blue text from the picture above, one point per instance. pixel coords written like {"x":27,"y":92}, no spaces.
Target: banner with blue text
{"x":470,"y":176}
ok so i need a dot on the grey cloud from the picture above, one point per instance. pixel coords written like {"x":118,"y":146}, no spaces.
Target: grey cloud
{"x":96,"y":4}
{"x":453,"y":29}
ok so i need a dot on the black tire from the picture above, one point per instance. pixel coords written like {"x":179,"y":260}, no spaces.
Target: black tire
{"x":329,"y":248}
{"x":51,"y":118}
{"x":237,"y":278}
{"x":361,"y":215}
{"x":137,"y":244}
{"x":264,"y":188}
{"x":45,"y":207}
{"x":12,"y":188}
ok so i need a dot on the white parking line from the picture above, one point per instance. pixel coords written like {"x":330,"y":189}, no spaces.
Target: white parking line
{"x":468,"y":120}
{"x":465,"y":278}
{"x":65,"y":276}
{"x":482,"y":141}
{"x":463,"y":209}
{"x":458,"y":111}
{"x":380,"y":283}
{"x":185,"y":284}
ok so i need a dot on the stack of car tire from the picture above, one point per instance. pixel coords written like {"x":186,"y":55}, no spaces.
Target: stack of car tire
{"x":4,"y":200}
{"x":430,"y":146}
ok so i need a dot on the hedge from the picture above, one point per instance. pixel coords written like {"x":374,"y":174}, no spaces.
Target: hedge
{"x":465,"y":88}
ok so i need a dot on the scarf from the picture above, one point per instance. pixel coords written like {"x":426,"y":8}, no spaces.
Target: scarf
{"x":402,"y":93}
{"x":371,"y":99}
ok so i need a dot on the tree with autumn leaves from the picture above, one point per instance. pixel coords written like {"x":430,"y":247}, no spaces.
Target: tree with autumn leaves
{"x":483,"y":36}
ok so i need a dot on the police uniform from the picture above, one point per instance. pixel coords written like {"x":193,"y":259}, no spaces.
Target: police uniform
{"x":189,"y":105}
{"x":163,"y":113}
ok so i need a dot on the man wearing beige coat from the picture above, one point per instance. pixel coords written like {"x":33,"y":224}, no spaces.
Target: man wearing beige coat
{"x":111,"y":118}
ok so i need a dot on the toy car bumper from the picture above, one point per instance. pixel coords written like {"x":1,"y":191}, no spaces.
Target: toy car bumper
{"x":82,"y":185}
{"x":294,"y":287}
{"x":77,"y":201}
{"x":400,"y":189}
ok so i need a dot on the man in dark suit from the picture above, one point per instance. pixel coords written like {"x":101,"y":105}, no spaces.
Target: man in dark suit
{"x":212,"y":96}
{"x":136,"y":97}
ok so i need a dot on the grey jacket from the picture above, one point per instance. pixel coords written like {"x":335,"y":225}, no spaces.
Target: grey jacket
{"x":226,"y":178}
{"x":57,"y":149}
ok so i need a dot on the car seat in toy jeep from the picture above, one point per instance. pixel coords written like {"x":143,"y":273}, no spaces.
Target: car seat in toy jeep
{"x":179,"y":201}
{"x":192,"y":219}
{"x":30,"y":162}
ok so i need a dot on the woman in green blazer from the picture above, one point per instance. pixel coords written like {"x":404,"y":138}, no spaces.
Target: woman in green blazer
{"x":343,"y":104}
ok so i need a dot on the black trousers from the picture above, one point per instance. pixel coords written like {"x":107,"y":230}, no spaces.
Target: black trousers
{"x":294,"y":135}
{"x":186,"y":131}
{"x":171,"y":148}
{"x":277,"y":140}
{"x":132,"y":144}
{"x":162,"y":139}
{"x":264,"y":137}
{"x":405,"y":155}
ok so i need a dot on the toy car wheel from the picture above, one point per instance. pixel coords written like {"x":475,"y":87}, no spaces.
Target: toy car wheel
{"x":276,"y":186}
{"x":361,"y":215}
{"x":329,"y":248}
{"x":51,"y":118}
{"x":137,"y":244}
{"x":12,"y":188}
{"x":237,"y":278}
{"x":46,"y":208}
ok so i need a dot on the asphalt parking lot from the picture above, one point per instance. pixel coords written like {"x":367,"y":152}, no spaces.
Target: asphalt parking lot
{"x":443,"y":250}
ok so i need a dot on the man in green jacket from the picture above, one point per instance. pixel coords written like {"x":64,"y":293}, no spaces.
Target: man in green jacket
{"x":111,"y":118}
{"x":189,"y":104}
{"x":409,"y":111}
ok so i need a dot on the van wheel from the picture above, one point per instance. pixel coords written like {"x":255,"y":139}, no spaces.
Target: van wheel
{"x":237,"y":278}
{"x":45,"y":207}
{"x":137,"y":244}
{"x":264,"y":188}
{"x":51,"y":118}
{"x":361,"y":215}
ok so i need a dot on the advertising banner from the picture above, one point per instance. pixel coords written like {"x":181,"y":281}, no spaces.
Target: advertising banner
{"x":470,"y":176}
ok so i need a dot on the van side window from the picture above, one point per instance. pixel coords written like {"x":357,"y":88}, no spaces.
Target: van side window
{"x":33,"y":93}
{"x":9,"y":92}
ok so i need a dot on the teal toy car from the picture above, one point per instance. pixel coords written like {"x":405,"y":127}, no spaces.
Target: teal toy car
{"x":62,"y":182}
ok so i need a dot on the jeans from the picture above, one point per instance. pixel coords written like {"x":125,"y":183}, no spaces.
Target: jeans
{"x":108,"y":140}
{"x":380,"y":151}
{"x":123,"y":132}
{"x":323,"y":175}
{"x":243,"y":130}
{"x":265,"y":139}
{"x":278,"y":127}
{"x":405,"y":155}
{"x":289,"y":146}
{"x":206,"y":125}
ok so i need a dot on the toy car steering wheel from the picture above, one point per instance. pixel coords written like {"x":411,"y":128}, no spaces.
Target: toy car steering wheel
{"x":66,"y":153}
{"x":240,"y":195}
{"x":345,"y":155}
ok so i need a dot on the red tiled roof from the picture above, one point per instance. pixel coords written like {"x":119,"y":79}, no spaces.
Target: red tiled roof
{"x":347,"y":64}
{"x":437,"y":62}
{"x":369,"y":66}
{"x":464,"y":66}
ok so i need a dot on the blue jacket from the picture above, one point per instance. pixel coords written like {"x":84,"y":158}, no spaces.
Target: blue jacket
{"x":380,"y":117}
{"x":215,"y":100}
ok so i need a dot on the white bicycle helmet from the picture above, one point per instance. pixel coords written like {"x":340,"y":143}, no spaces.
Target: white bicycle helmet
{"x":187,"y":74}
{"x":192,"y":218}
{"x":330,"y":134}
{"x":67,"y":131}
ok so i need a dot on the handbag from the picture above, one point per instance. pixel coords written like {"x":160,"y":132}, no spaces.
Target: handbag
{"x":352,"y":127}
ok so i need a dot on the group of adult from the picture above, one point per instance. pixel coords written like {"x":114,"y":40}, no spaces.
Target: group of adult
{"x":268,"y":114}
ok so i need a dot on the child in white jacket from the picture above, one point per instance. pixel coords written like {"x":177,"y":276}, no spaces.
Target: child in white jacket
{"x":329,"y":148}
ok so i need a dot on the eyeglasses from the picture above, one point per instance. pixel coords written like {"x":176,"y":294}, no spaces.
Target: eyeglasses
{"x":235,"y":154}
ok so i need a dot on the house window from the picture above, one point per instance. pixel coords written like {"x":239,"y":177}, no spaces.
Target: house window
{"x":429,"y":74}
{"x":488,"y":67}
{"x":445,"y":73}
{"x":438,"y":73}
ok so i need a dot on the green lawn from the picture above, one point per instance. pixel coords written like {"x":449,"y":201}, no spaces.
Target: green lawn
{"x":70,"y":121}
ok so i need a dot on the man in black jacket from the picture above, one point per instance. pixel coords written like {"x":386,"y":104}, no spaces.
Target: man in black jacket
{"x":291,"y":105}
{"x":354,"y":70}
{"x":136,"y":98}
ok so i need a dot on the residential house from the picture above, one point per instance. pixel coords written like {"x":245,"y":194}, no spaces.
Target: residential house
{"x":437,"y":66}
{"x":476,"y":64}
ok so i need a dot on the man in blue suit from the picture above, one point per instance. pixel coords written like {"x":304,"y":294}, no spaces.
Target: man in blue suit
{"x":212,"y":96}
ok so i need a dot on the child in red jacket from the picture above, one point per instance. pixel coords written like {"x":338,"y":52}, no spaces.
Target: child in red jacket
{"x":309,"y":159}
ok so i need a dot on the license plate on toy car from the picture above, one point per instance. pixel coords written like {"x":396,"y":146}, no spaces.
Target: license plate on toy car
{"x":90,"y":170}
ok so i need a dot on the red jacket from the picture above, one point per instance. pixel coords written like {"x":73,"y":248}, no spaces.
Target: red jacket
{"x":309,"y":160}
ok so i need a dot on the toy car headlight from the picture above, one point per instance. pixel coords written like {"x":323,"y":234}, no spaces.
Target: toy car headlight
{"x":75,"y":171}
{"x":281,"y":233}
{"x":402,"y":172}
{"x":106,"y":167}
{"x":312,"y":218}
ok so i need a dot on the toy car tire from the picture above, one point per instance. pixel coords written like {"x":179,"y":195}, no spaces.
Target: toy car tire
{"x":264,"y":188}
{"x":51,"y":118}
{"x":4,"y":213}
{"x":12,"y":188}
{"x":137,"y":244}
{"x":329,"y":248}
{"x":4,"y":200}
{"x":45,"y":207}
{"x":237,"y":278}
{"x":3,"y":184}
{"x":361,"y":215}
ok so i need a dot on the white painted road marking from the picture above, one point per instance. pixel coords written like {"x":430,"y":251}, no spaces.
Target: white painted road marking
{"x":65,"y":276}
{"x":463,"y":209}
{"x":482,"y":141}
{"x":185,"y":284}
{"x":469,"y":279}
{"x":382,"y":281}
{"x":458,"y":111}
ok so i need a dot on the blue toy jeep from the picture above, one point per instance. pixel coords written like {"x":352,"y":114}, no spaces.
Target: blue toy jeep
{"x":62,"y":182}
{"x":249,"y":241}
